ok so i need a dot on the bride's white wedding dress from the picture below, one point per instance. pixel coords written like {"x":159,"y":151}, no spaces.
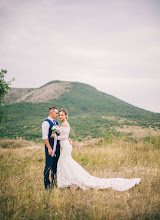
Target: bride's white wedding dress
{"x":71,"y":174}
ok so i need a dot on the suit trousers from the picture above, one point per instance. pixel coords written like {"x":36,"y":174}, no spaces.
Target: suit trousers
{"x":50,"y":166}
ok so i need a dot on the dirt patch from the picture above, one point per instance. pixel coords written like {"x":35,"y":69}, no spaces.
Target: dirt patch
{"x":88,"y":142}
{"x":112,"y":118}
{"x":16,"y":93}
{"x":119,"y":119}
{"x":46,"y":93}
{"x":33,"y":147}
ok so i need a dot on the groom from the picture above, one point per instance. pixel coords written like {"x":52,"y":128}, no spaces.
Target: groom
{"x":50,"y":162}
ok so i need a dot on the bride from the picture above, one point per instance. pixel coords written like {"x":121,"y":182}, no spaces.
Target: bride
{"x":71,"y":174}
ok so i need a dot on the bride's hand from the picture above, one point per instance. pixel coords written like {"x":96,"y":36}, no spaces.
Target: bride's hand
{"x":70,"y":141}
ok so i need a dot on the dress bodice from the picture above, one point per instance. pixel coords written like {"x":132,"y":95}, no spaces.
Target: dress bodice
{"x":65,"y":145}
{"x":64,"y":133}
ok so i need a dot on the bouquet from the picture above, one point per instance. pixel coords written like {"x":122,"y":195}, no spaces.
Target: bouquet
{"x":56,"y":129}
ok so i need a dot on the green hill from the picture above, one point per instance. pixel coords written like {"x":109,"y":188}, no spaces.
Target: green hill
{"x":92,"y":113}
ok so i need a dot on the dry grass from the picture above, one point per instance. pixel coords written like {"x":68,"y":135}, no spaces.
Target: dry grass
{"x":18,"y":143}
{"x":139,"y":132}
{"x":23,"y":195}
{"x":133,"y":130}
{"x":118,"y":119}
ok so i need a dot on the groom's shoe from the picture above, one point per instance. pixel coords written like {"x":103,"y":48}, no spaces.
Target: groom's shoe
{"x":55,"y":184}
{"x":51,"y":185}
{"x":47,"y":187}
{"x":55,"y":180}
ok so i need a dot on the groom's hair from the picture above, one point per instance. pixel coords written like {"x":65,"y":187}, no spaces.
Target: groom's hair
{"x":52,"y":108}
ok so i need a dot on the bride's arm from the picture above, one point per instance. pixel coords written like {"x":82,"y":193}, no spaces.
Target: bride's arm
{"x":63,"y":137}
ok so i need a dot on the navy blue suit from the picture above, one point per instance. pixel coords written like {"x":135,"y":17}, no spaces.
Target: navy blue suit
{"x":50,"y":162}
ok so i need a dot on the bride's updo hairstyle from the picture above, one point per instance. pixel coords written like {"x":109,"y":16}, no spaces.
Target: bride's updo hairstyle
{"x":64,"y":111}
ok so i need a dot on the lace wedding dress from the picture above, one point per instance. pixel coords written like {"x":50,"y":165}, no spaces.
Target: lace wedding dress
{"x":71,"y":174}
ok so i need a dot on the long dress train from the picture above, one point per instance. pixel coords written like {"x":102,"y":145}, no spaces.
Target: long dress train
{"x":71,"y":174}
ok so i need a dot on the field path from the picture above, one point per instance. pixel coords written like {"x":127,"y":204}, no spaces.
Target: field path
{"x":32,"y":147}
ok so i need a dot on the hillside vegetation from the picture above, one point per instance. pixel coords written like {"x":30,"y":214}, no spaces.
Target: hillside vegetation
{"x":22,"y":194}
{"x":92,"y":114}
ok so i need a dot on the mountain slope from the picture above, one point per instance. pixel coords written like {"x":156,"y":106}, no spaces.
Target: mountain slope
{"x":43,"y":94}
{"x":15,"y":93}
{"x":91,"y":112}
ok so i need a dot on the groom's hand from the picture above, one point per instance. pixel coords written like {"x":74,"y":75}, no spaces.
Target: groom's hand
{"x":50,"y":151}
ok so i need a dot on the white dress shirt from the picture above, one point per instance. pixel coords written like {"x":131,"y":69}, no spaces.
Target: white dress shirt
{"x":45,"y":128}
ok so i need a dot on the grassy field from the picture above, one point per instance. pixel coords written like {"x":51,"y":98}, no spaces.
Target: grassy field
{"x":22,"y":194}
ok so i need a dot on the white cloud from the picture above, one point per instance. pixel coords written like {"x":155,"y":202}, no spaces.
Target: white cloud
{"x":89,"y":41}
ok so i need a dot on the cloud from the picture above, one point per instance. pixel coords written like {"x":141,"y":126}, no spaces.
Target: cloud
{"x":88,"y":41}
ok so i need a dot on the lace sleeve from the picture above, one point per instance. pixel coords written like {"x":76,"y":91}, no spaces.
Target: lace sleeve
{"x":64,"y":134}
{"x":62,"y":137}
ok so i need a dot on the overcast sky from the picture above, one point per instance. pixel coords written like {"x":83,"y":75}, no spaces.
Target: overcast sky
{"x":113,"y":45}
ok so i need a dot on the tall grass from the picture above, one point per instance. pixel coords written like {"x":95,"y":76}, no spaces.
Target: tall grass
{"x":22,"y":194}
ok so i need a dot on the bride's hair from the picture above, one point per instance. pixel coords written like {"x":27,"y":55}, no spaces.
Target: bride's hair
{"x":64,"y":111}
